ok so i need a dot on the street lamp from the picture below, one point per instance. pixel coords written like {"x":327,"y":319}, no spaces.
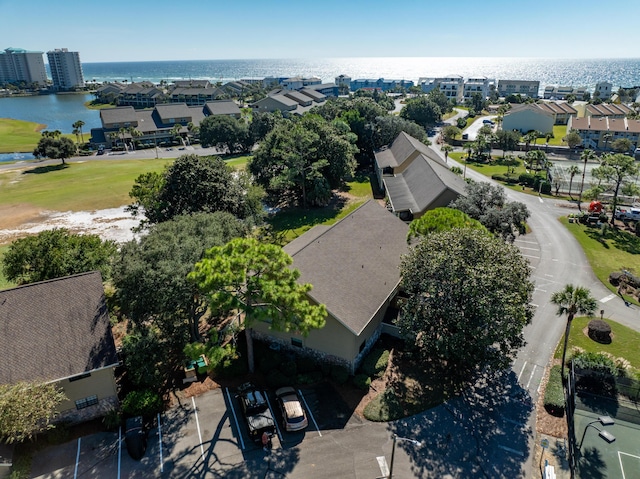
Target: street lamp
{"x":603,"y":433}
{"x":396,"y":438}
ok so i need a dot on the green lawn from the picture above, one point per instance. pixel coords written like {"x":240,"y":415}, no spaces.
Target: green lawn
{"x":616,"y":251}
{"x":18,"y":135}
{"x":559,"y":132}
{"x":625,"y":344}
{"x":76,"y":187}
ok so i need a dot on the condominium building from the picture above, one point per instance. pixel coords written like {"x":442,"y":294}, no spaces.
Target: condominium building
{"x":529,"y":88}
{"x":479,"y":85}
{"x":66,"y":69}
{"x":19,"y":65}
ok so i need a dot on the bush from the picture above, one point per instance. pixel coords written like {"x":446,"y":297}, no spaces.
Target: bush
{"x":526,"y":179}
{"x":362,"y":381}
{"x":542,"y":185}
{"x":112,"y":420}
{"x":375,"y":363}
{"x":268,"y":360}
{"x":275,"y":379}
{"x":312,"y":377}
{"x":554,"y":393}
{"x":142,"y":403}
{"x":599,"y":331}
{"x":339,"y":374}
{"x":289,"y":368}
{"x":307,"y":365}
{"x":326,"y":369}
{"x":595,"y":362}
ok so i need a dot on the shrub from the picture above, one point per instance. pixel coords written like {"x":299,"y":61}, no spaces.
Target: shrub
{"x":595,"y":362}
{"x":554,"y":393}
{"x":375,"y":363}
{"x":268,"y":360}
{"x":362,"y":381}
{"x":142,"y":403}
{"x":306,"y":364}
{"x":599,"y":331}
{"x":312,"y":377}
{"x":526,"y":179}
{"x":275,"y":379}
{"x":326,"y":369}
{"x":289,"y":368}
{"x":112,"y":420}
{"x":339,"y":374}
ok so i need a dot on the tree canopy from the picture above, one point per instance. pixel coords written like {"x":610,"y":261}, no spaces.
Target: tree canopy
{"x":56,"y":253}
{"x":55,"y":147}
{"x":151,"y":274}
{"x":305,"y":159}
{"x":441,"y":219}
{"x":193,"y":184}
{"x":488,"y":204}
{"x":422,"y":111}
{"x":255,"y":279}
{"x":226,"y":132}
{"x":468,"y":300}
{"x":27,"y":409}
{"x":618,"y":168}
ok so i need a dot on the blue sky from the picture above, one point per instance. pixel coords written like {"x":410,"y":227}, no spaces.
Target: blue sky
{"x":138,"y":30}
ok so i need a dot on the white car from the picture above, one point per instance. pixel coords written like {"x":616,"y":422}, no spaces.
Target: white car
{"x":293,"y":415}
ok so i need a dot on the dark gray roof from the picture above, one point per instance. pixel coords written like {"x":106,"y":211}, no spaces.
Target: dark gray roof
{"x":120,"y":114}
{"x":54,"y":329}
{"x":403,"y":148}
{"x":298,"y":97}
{"x":354,"y":265}
{"x":167,"y":111}
{"x":223,"y":107}
{"x":425,"y":184}
{"x":315,"y":95}
{"x":191,"y":83}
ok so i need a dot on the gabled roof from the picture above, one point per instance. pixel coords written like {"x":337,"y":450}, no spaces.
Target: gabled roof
{"x":166,"y":111}
{"x":353,"y":265}
{"x":516,"y":109}
{"x":557,"y":107}
{"x":223,"y":107}
{"x":403,"y":148}
{"x":421,"y":185}
{"x":608,"y":109}
{"x":120,"y":114}
{"x":54,"y":330}
{"x":313,"y":94}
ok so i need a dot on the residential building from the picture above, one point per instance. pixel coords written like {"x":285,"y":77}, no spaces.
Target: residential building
{"x":414,"y":178}
{"x":603,"y":90}
{"x":59,"y":332}
{"x":192,"y":84}
{"x":140,"y":95}
{"x":592,"y":130}
{"x":380,"y":84}
{"x":194,"y":96}
{"x":427,"y":84}
{"x":353,"y":266}
{"x":560,"y":110}
{"x":562,"y":92}
{"x":66,"y":69}
{"x":611,"y":110}
{"x":452,"y":86}
{"x":528,"y":88}
{"x":297,"y":83}
{"x":342,"y":81}
{"x":325,"y":89}
{"x":276,"y":102}
{"x":479,"y":85}
{"x":528,"y":117}
{"x":19,"y":65}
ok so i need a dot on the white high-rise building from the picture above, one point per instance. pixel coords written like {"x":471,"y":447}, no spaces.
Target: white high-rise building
{"x":66,"y":69}
{"x":19,"y":65}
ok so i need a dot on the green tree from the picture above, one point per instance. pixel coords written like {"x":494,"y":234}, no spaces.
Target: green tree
{"x":422,"y":110}
{"x":450,"y":132}
{"x":586,"y":156}
{"x":572,"y":139}
{"x":27,"y":409}
{"x":607,"y":137}
{"x":529,"y":138}
{"x":191,"y":184}
{"x":441,"y":219}
{"x":384,"y":129}
{"x":488,"y":204}
{"x":507,"y":141}
{"x":446,"y":149}
{"x":78,"y":125}
{"x":573,"y":171}
{"x":151,"y":274}
{"x":55,"y":147}
{"x":56,"y":253}
{"x":256,"y":280}
{"x":145,"y":358}
{"x":469,"y":298}
{"x":572,"y":300}
{"x":621,"y":145}
{"x":618,"y":168}
{"x":225,"y":132}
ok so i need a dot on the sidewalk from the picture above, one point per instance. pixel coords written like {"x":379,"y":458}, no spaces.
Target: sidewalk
{"x":555,"y":454}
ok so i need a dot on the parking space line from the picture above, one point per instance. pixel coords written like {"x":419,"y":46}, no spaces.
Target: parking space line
{"x":309,"y":413}
{"x":275,"y":423}
{"x":160,"y":443}
{"x":75,"y":471}
{"x":522,"y":370}
{"x":235,"y":418}
{"x":119,"y":449}
{"x":531,"y":376}
{"x":195,"y":411}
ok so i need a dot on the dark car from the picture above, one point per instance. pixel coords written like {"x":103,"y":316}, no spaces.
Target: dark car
{"x":293,"y":415}
{"x":135,"y":437}
{"x":255,"y":409}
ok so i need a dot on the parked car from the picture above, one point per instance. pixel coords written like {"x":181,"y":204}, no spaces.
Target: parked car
{"x":628,"y":214}
{"x":135,"y":437}
{"x":256,"y":412}
{"x":293,"y":414}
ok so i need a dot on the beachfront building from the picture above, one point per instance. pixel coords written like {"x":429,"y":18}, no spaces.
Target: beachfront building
{"x":343,"y":81}
{"x":66,"y":69}
{"x":562,"y":92}
{"x":599,"y":133}
{"x":528,"y":88}
{"x":603,"y":90}
{"x":561,"y":111}
{"x":452,"y":86}
{"x":611,"y":110}
{"x":380,"y":84}
{"x":528,"y":117}
{"x":290,"y":102}
{"x":19,"y":65}
{"x":479,"y":85}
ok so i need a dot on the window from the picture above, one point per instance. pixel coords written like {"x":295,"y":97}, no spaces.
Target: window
{"x":86,"y":402}
{"x":296,"y":342}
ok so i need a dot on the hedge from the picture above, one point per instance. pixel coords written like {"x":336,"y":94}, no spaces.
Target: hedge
{"x":554,"y":394}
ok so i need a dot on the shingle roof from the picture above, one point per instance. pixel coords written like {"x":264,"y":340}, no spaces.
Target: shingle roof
{"x":605,"y":123}
{"x":422,"y":184}
{"x":120,"y":114}
{"x":223,"y":107}
{"x":608,"y":109}
{"x":557,"y":107}
{"x":173,"y":110}
{"x":403,"y":147}
{"x":54,"y":329}
{"x":354,"y":265}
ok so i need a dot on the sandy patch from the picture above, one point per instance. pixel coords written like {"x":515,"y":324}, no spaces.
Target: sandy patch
{"x":110,"y":224}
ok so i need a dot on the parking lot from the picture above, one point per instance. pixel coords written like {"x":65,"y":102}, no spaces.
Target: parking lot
{"x":204,"y":436}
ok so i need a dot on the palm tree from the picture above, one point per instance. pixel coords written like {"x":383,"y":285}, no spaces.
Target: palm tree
{"x":529,"y":138}
{"x":548,"y":137}
{"x":446,"y":149}
{"x":135,"y":134}
{"x":587,"y":155}
{"x":78,"y":125}
{"x":572,"y":300}
{"x":607,"y":138}
{"x":573,"y":171}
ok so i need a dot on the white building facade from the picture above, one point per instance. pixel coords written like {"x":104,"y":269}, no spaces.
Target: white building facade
{"x":19,"y":65}
{"x":66,"y":69}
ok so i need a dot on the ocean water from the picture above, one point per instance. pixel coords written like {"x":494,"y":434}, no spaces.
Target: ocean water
{"x":574,"y":72}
